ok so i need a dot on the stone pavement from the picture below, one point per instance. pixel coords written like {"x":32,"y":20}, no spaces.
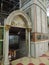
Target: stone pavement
{"x":42,"y":60}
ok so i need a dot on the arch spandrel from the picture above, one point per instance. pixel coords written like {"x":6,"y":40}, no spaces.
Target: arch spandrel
{"x":23,"y":17}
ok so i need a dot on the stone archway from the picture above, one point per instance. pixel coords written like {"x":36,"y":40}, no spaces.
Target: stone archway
{"x":12,"y":20}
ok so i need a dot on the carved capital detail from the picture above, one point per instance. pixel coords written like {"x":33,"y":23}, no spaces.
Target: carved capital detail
{"x":7,"y":27}
{"x":28,"y":29}
{"x":12,"y":23}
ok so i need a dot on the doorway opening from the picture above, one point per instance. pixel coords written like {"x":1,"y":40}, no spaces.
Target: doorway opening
{"x":17,"y":43}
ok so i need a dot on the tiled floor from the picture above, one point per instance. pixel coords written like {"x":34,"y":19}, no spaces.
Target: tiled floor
{"x":43,"y":60}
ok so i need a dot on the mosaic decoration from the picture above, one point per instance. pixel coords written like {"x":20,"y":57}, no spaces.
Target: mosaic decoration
{"x":39,"y":37}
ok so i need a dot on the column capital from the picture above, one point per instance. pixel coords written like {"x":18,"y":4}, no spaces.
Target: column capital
{"x":7,"y":27}
{"x":28,"y":29}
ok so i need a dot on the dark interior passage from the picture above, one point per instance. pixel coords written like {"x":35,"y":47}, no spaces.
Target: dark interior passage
{"x":17,"y":43}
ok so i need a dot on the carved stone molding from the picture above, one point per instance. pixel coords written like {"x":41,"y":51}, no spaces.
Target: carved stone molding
{"x":13,"y":23}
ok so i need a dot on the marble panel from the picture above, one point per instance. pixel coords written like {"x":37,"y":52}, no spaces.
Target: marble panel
{"x":43,"y":22}
{"x":38,"y":19}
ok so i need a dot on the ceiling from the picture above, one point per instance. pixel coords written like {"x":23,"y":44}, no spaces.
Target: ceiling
{"x":7,"y":6}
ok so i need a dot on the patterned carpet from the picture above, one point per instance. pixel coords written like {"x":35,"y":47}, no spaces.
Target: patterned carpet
{"x":42,"y":60}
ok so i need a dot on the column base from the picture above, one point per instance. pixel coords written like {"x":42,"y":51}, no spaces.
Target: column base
{"x":6,"y":63}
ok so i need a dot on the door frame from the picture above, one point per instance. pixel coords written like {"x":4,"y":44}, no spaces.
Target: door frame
{"x":8,"y":23}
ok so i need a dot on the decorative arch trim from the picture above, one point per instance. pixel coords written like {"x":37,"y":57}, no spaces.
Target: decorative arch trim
{"x":22,"y":15}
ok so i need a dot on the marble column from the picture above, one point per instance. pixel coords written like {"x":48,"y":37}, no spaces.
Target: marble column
{"x":6,"y":46}
{"x":26,"y":38}
{"x":28,"y":41}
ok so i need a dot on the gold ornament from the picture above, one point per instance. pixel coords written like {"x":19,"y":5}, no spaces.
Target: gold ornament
{"x":7,"y":27}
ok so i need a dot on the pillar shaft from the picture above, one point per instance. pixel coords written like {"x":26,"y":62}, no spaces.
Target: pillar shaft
{"x":6,"y":48}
